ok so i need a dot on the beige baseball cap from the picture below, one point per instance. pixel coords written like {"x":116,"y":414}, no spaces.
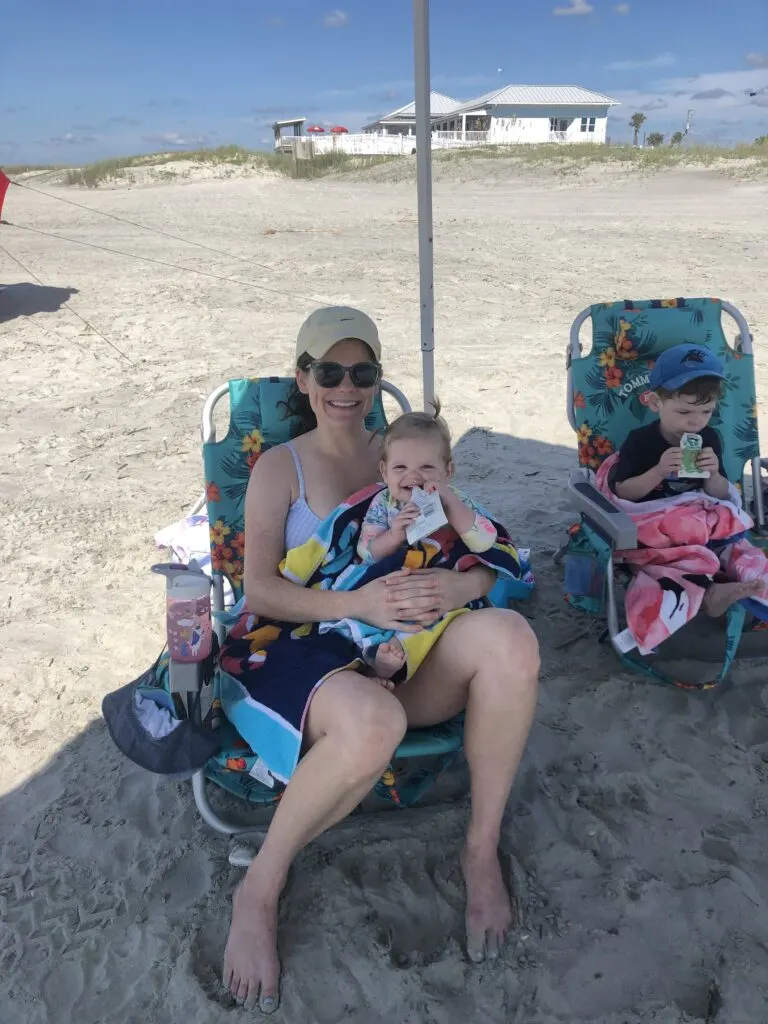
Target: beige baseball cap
{"x":331,"y":324}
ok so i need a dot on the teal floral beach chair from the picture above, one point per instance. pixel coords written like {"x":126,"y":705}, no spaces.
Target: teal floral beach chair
{"x":256,"y":423}
{"x":607,"y":396}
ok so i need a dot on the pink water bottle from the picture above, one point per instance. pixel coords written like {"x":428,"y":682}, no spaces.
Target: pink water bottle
{"x":188,"y":616}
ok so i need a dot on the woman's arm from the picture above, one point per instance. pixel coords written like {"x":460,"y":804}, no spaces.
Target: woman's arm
{"x":267,"y":502}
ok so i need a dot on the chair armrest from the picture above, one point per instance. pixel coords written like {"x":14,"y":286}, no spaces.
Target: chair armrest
{"x":613,"y":525}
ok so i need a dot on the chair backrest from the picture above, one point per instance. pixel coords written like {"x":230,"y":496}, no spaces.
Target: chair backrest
{"x":257,"y":422}
{"x":609,"y":385}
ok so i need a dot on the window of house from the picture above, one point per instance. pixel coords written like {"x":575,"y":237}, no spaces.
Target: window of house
{"x":587,"y":124}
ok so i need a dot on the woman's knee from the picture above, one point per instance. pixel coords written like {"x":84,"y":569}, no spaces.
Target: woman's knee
{"x":507,"y":639}
{"x":365,"y":721}
{"x":373,"y":729}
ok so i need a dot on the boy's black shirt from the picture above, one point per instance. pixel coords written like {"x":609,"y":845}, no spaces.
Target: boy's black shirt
{"x":642,"y":451}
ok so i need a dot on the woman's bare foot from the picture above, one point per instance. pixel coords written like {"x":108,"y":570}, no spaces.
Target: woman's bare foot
{"x":390,"y":658}
{"x":489,"y":914}
{"x":720,"y":596}
{"x":251,"y":965}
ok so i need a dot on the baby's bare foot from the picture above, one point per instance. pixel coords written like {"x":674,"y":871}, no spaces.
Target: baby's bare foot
{"x":720,"y":596}
{"x":390,"y":658}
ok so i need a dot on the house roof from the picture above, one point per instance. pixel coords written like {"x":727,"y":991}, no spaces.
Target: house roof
{"x":439,"y":103}
{"x":538,"y":95}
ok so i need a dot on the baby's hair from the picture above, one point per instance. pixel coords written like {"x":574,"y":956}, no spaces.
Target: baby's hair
{"x":701,"y":389}
{"x":418,"y":424}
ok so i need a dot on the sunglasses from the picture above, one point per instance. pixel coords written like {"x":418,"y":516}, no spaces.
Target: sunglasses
{"x":330,"y":375}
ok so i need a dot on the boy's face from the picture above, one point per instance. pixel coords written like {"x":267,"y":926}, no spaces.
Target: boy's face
{"x":681,"y":414}
{"x":413,"y":462}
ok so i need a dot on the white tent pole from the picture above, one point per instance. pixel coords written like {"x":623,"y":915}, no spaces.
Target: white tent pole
{"x":424,"y":192}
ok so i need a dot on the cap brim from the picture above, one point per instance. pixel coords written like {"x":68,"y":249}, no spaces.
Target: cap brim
{"x":675,"y":383}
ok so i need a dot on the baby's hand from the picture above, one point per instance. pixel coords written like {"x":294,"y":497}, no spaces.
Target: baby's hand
{"x":405,"y":518}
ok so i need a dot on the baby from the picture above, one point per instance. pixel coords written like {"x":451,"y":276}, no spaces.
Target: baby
{"x":416,"y":452}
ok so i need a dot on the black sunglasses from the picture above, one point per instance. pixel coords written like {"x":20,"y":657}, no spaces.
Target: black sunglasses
{"x":330,"y":375}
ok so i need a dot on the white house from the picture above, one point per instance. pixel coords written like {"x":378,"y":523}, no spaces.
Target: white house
{"x":530,"y":113}
{"x":509,"y":116}
{"x":403,"y":120}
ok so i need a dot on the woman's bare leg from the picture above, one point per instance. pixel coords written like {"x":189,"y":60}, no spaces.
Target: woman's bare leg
{"x":353,"y":727}
{"x":487,"y":662}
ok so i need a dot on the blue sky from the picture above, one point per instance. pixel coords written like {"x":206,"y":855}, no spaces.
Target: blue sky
{"x":84,"y":79}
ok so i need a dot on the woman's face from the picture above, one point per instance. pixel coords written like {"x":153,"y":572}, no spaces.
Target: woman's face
{"x":345,"y":404}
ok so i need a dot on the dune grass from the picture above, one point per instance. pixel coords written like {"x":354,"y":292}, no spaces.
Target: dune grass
{"x":562,"y":159}
{"x":116,"y":168}
{"x":588,"y":153}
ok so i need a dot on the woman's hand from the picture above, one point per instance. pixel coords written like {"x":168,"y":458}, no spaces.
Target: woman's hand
{"x":401,"y":600}
{"x":453,"y":589}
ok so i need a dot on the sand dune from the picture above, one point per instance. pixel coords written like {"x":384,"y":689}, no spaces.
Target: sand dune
{"x":636,"y":831}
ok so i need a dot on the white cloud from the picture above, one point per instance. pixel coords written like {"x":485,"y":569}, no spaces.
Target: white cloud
{"x":757,"y":60}
{"x":661,"y":60}
{"x":658,"y":104}
{"x":335,"y":19}
{"x":622,"y":8}
{"x":70,"y":139}
{"x":577,"y":7}
{"x":175,"y":139}
{"x":739,"y":98}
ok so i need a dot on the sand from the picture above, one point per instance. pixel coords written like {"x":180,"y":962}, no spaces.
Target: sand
{"x":636,"y":829}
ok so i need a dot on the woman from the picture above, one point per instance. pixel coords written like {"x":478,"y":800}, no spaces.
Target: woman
{"x":486,"y":662}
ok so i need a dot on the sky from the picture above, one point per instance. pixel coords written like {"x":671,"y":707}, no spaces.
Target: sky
{"x":87,"y":79}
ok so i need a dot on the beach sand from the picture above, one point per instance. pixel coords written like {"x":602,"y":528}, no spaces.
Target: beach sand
{"x":636,"y":832}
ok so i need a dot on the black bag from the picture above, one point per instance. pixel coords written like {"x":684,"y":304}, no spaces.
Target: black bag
{"x":155,"y":730}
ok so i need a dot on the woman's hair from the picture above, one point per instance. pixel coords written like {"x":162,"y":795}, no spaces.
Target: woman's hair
{"x":418,"y":424}
{"x":701,"y":389}
{"x":297,"y":403}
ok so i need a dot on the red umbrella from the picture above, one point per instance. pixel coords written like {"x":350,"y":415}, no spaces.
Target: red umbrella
{"x":339,"y":130}
{"x":315,"y":129}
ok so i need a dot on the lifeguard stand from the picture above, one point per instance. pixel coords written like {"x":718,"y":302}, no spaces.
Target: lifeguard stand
{"x":287,"y":143}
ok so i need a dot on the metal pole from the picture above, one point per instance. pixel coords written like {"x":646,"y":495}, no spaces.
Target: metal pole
{"x":424,"y":192}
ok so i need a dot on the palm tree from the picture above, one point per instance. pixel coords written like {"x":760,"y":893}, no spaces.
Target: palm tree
{"x":636,"y":122}
{"x":676,"y":139}
{"x":655,"y":139}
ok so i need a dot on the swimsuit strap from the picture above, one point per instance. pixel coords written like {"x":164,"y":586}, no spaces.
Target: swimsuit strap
{"x":299,"y":471}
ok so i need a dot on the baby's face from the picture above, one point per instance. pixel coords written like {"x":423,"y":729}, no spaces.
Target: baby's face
{"x":414,"y":462}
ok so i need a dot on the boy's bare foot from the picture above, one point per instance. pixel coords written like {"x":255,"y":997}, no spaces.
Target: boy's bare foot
{"x":251,"y":965}
{"x":720,"y":596}
{"x":390,"y":658}
{"x":489,"y":914}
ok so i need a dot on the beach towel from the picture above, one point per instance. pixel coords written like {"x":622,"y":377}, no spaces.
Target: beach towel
{"x":270,"y":669}
{"x":683,"y":542}
{"x":442,"y":550}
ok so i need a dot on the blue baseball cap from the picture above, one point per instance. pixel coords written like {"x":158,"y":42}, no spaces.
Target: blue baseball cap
{"x":681,"y":364}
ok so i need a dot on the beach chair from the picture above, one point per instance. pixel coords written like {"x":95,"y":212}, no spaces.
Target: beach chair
{"x":606,"y":398}
{"x":256,"y":423}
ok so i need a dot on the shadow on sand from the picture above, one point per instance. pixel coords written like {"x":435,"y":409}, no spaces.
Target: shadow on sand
{"x":27,"y":299}
{"x":636,"y":827}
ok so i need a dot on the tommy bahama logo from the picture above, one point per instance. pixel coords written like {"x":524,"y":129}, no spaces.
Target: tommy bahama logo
{"x":630,"y":386}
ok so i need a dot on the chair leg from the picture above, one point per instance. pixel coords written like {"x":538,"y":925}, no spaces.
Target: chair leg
{"x":209,"y":816}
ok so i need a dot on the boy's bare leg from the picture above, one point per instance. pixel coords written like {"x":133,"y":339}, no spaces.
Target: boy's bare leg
{"x":720,"y":596}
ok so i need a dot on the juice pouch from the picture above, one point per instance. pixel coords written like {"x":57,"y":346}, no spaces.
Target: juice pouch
{"x":691,"y":446}
{"x":431,"y":515}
